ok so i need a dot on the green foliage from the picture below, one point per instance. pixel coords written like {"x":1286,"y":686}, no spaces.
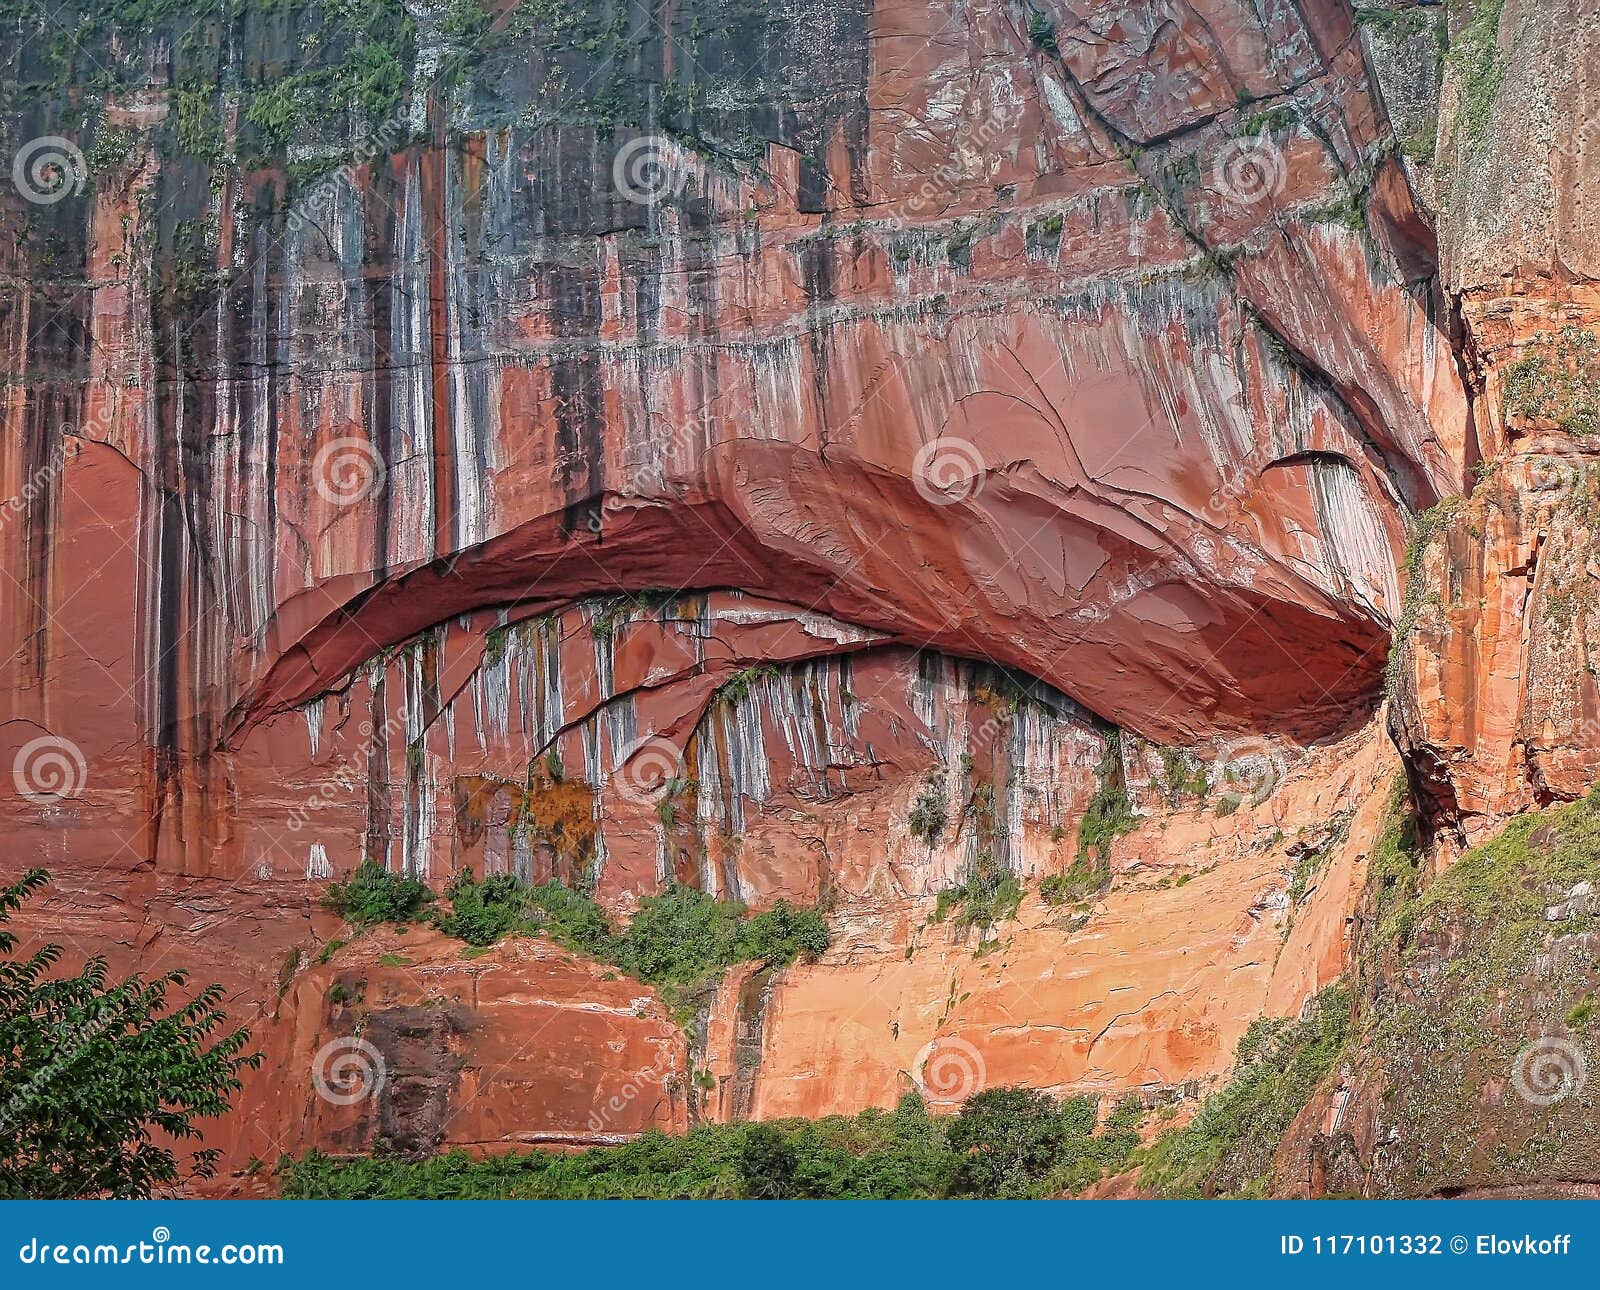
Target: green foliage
{"x":738,"y":686}
{"x":1110,"y":813}
{"x":1558,"y":380}
{"x":481,"y":913}
{"x":100,"y":1081}
{"x":1012,"y":1142}
{"x":685,"y":938}
{"x":1183,"y":775}
{"x":1274,"y":120}
{"x":988,"y":894}
{"x":769,"y":1163}
{"x":1227,"y":1149}
{"x":930,"y":814}
{"x":621,"y":609}
{"x":374,"y":895}
{"x":681,"y":940}
{"x":1085,"y":880}
{"x":1041,"y":31}
{"x":1474,"y":60}
{"x":1394,"y":867}
{"x":667,"y":804}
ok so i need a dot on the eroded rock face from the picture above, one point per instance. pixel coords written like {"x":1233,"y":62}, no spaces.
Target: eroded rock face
{"x":957,"y":394}
{"x":1496,"y":702}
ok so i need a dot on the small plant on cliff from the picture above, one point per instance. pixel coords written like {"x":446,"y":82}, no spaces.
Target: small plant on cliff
{"x":99,"y":1081}
{"x":989,"y":894}
{"x":1041,"y":31}
{"x":374,"y":894}
{"x":1110,"y":813}
{"x":1085,"y":880}
{"x":930,"y":814}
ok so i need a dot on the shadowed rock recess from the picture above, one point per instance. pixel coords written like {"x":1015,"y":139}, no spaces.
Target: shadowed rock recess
{"x":1023,"y":479}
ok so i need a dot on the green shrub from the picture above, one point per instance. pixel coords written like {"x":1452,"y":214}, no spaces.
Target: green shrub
{"x":1041,"y":31}
{"x":989,"y":894}
{"x":374,"y":894}
{"x":930,"y":814}
{"x":1012,"y":1142}
{"x":1084,"y":881}
{"x":684,"y":937}
{"x":481,"y":913}
{"x":1110,"y":813}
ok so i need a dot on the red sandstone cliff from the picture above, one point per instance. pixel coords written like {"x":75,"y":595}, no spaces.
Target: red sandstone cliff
{"x":853,"y":397}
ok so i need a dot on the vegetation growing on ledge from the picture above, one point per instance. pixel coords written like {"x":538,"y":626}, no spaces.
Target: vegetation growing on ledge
{"x":930,"y":814}
{"x":1474,"y":60}
{"x":1006,"y":1142}
{"x":1084,"y":881}
{"x":1110,"y":813}
{"x":373,"y":894}
{"x":1227,"y":1149}
{"x":680,"y":940}
{"x":1557,"y":380}
{"x":989,"y":894}
{"x":1183,"y":775}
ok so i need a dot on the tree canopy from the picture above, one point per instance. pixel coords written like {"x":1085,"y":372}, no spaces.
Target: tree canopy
{"x":101,"y":1081}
